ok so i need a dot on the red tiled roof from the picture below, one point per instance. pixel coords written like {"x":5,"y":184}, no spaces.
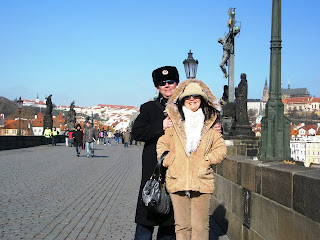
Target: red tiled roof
{"x":40,"y":115}
{"x":11,"y":124}
{"x":118,"y":106}
{"x":37,"y":123}
{"x":300,"y":100}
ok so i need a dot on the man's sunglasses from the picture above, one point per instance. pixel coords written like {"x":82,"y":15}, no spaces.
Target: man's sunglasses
{"x":194,"y":97}
{"x":162,"y":83}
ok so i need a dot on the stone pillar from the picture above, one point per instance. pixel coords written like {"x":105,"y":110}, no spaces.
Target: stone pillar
{"x":231,"y":79}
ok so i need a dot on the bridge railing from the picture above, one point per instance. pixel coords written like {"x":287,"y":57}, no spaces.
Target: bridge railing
{"x":14,"y":142}
{"x":266,"y":200}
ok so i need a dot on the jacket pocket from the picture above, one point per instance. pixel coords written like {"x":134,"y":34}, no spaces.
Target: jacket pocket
{"x":171,"y":173}
{"x":205,"y":171}
{"x":168,"y":160}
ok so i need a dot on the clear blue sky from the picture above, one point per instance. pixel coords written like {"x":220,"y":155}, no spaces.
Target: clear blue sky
{"x":105,"y":51}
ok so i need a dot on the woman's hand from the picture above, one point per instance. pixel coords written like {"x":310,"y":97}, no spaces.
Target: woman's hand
{"x":168,"y":123}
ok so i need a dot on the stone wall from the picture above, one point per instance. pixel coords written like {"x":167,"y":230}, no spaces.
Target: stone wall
{"x":283,"y":200}
{"x":14,"y":142}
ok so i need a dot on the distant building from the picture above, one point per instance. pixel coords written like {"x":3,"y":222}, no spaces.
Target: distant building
{"x":11,"y":126}
{"x":308,"y":104}
{"x":265,"y":95}
{"x":37,"y":125}
{"x":305,"y":143}
{"x":294,"y":93}
{"x":312,"y":152}
{"x":34,"y":103}
{"x":257,"y":105}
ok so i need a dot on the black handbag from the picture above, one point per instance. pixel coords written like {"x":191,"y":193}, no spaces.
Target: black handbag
{"x":154,"y":193}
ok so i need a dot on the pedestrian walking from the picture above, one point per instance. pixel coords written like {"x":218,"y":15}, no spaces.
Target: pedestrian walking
{"x":47,"y":134}
{"x":117,"y":136}
{"x":110,"y":136}
{"x":126,"y":138}
{"x":121,"y":137}
{"x":55,"y":134}
{"x":77,"y":139}
{"x":101,"y":136}
{"x":105,"y":137}
{"x":66,"y":137}
{"x":70,"y":138}
{"x":194,"y":146}
{"x":90,"y":136}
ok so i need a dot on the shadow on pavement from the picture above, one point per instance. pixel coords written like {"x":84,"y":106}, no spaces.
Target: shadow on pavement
{"x":218,"y":224}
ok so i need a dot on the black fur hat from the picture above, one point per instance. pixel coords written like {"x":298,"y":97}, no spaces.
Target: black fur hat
{"x":165,"y":73}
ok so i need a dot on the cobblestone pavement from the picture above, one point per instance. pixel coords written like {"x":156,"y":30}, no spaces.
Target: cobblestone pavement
{"x":47,"y":192}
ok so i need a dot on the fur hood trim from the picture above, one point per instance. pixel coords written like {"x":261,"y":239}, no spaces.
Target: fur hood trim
{"x":173,"y":112}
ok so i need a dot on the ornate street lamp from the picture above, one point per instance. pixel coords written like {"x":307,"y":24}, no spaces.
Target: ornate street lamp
{"x":190,"y":66}
{"x":20,"y":102}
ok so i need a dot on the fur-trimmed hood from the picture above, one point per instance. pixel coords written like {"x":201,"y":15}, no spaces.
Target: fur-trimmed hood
{"x":173,"y":112}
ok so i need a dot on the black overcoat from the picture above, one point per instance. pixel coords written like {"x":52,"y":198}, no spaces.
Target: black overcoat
{"x":77,"y":135}
{"x":148,"y":128}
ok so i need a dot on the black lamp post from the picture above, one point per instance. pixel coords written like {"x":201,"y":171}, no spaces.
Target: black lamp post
{"x":19,"y":106}
{"x":190,"y":66}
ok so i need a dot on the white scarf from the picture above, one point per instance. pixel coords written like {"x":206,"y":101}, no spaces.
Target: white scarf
{"x":193,"y":126}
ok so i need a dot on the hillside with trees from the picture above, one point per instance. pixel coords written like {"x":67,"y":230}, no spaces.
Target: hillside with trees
{"x":11,"y":110}
{"x":7,"y":106}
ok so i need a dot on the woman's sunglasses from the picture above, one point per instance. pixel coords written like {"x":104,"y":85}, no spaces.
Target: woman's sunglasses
{"x":194,"y":97}
{"x":170,"y":82}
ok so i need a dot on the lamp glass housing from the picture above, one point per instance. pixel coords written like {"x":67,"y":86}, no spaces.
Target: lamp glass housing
{"x":190,"y":66}
{"x":20,"y":102}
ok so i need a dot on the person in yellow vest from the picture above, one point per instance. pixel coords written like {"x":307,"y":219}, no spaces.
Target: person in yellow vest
{"x":55,"y":133}
{"x":47,"y":134}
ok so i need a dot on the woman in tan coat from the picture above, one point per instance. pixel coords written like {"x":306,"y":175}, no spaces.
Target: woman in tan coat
{"x":194,"y":146}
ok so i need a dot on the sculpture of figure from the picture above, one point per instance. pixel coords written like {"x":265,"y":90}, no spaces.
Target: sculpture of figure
{"x":228,"y":40}
{"x":241,"y":93}
{"x":225,"y":95}
{"x":72,"y":114}
{"x":49,"y":105}
{"x":227,"y":50}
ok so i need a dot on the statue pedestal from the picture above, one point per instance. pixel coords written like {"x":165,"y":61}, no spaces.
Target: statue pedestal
{"x":47,"y":122}
{"x":240,"y":145}
{"x":241,"y":130}
{"x":228,"y":117}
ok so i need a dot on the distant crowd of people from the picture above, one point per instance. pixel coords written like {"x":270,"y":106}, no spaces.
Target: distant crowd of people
{"x":86,"y":137}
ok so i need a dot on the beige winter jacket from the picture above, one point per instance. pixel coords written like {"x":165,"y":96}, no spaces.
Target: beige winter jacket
{"x":192,"y":172}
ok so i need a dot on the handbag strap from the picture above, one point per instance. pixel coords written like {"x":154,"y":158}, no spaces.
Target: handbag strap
{"x":159,"y":169}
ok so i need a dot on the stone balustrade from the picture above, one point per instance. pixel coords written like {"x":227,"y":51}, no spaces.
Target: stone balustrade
{"x":14,"y":142}
{"x":266,"y":200}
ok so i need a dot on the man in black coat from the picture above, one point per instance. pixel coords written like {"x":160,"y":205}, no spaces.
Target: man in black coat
{"x":148,"y":128}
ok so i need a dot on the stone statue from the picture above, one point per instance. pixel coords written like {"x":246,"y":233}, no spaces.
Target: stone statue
{"x":71,"y":116}
{"x":72,"y":113}
{"x":241,"y":93}
{"x":227,"y":50}
{"x":228,"y":41}
{"x":224,"y":98}
{"x":48,"y":122}
{"x":49,"y":105}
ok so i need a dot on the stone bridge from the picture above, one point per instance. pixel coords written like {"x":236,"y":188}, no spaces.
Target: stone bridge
{"x":47,"y":192}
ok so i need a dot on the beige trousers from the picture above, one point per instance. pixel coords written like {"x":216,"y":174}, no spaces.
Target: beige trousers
{"x":191,"y":215}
